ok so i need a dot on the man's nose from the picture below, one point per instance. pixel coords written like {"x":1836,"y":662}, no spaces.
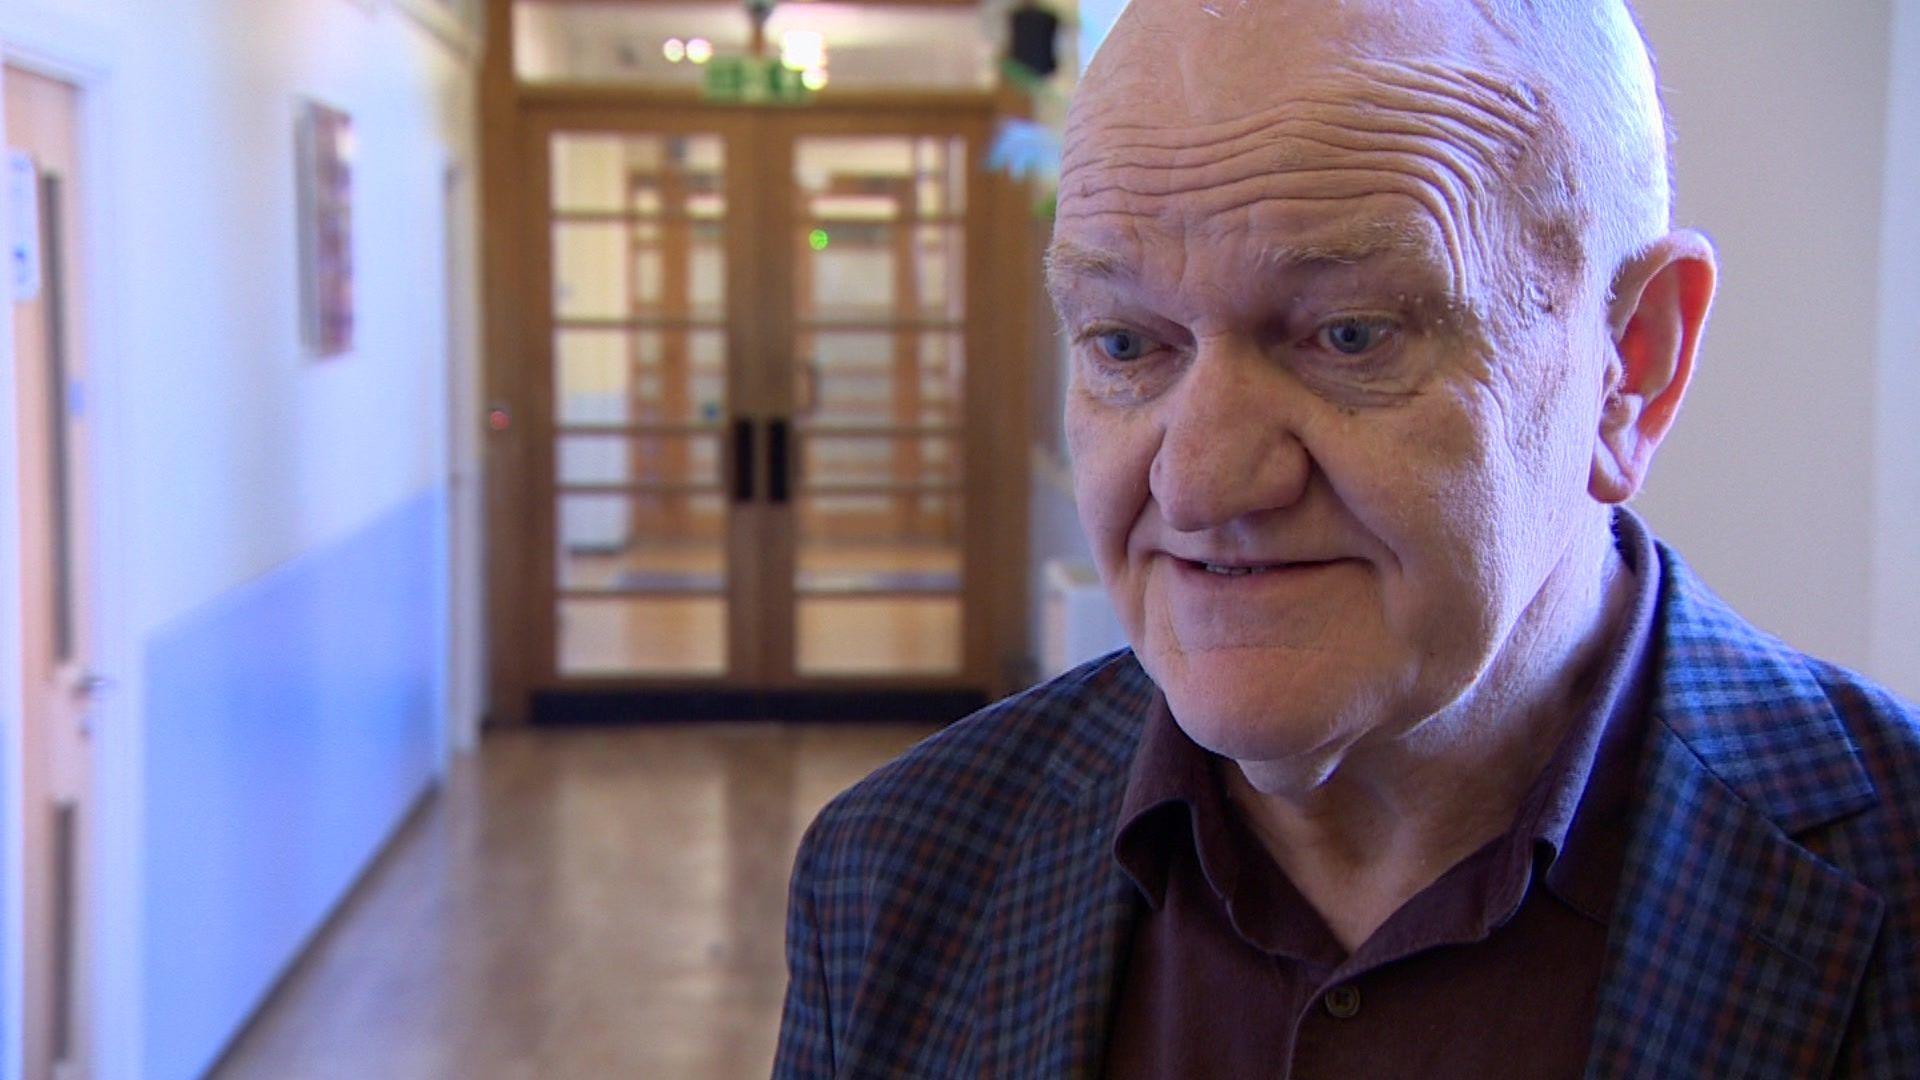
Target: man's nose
{"x":1229,"y":445}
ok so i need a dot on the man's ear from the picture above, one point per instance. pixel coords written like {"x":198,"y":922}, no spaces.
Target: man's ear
{"x":1654,"y":320}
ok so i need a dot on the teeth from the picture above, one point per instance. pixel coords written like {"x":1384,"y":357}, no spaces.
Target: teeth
{"x":1231,"y":571}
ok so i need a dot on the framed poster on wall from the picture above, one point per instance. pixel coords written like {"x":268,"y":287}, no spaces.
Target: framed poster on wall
{"x":324,"y":156}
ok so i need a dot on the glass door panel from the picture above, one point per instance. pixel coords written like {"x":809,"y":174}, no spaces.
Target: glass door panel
{"x":857,"y":378}
{"x":627,"y":375}
{"x":640,"y":403}
{"x":639,"y":254}
{"x":879,"y":319}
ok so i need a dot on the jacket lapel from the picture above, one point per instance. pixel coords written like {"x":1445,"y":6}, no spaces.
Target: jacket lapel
{"x":1734,"y":951}
{"x":1064,"y":912}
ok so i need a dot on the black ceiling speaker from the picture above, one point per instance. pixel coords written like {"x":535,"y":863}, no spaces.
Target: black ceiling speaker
{"x":1034,"y":31}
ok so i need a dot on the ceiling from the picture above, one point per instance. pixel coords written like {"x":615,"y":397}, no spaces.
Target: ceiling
{"x":904,"y":46}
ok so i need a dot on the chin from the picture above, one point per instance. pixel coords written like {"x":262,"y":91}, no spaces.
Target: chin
{"x":1247,"y":705}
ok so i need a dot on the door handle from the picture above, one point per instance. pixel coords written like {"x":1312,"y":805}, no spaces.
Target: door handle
{"x":742,"y":460}
{"x":779,"y":461}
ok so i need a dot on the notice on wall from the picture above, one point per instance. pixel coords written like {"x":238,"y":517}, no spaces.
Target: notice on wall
{"x":22,"y":199}
{"x":325,"y":148}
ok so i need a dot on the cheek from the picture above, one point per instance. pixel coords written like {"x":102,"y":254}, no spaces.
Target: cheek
{"x":1540,"y":437}
{"x":1476,"y":505}
{"x":1547,"y":398}
{"x":1414,"y":478}
{"x":1426,"y":485}
{"x":1472,"y":487}
{"x":1112,"y":452}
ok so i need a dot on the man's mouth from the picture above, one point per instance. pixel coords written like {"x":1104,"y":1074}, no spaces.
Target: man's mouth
{"x":1252,"y":569}
{"x":1233,"y":571}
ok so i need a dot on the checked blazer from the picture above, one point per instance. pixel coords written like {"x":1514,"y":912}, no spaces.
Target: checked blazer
{"x":959,"y":913}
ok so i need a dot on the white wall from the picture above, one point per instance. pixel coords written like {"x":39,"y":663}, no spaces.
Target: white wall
{"x":1776,"y":483}
{"x":1096,"y":17}
{"x":237,"y":455}
{"x":1896,"y":600}
{"x":257,"y":450}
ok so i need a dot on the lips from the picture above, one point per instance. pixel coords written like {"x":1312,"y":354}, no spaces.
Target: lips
{"x":1245,"y":569}
{"x":1233,"y":571}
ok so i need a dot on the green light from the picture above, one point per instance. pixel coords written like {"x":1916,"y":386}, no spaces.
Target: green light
{"x":818,"y":240}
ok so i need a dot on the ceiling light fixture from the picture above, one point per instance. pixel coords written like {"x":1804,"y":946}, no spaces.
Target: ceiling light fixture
{"x":803,"y":50}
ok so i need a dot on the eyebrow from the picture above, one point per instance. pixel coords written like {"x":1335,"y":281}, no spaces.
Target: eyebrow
{"x":1352,"y":244}
{"x":1068,"y":261}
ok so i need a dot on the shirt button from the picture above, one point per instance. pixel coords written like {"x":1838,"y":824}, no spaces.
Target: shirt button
{"x":1343,"y":1001}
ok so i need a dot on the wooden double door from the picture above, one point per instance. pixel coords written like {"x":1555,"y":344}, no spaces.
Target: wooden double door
{"x":757,"y":414}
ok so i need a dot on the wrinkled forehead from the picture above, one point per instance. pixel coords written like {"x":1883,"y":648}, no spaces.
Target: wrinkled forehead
{"x":1318,"y":142}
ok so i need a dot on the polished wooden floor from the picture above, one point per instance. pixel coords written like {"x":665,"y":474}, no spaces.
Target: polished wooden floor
{"x":848,"y":633}
{"x":577,"y":903}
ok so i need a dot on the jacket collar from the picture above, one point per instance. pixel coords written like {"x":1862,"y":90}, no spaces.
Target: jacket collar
{"x":1109,"y":709}
{"x":1734,"y":949}
{"x":1750,"y":709}
{"x":1063,"y":914}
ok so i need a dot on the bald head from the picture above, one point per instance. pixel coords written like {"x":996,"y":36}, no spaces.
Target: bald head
{"x":1543,"y":111}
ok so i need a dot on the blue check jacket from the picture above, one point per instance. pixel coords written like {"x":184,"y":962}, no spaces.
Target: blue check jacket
{"x":959,"y":914}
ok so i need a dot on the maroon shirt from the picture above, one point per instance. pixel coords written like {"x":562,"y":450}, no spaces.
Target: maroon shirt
{"x":1490,"y":971}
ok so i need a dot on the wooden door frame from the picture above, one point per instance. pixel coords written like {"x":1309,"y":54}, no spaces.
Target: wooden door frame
{"x":1004,"y":280}
{"x":76,"y":50}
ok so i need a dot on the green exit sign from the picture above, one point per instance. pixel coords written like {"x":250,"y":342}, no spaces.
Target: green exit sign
{"x":746,"y":79}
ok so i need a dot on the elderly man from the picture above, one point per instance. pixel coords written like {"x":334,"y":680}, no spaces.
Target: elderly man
{"x":1426,"y":760}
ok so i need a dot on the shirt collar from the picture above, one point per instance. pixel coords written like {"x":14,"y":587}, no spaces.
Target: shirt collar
{"x":1172,"y":792}
{"x":1582,"y":824}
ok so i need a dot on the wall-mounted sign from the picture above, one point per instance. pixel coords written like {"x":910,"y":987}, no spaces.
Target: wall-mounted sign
{"x":23,"y":226}
{"x":325,"y":156}
{"x":736,"y":79}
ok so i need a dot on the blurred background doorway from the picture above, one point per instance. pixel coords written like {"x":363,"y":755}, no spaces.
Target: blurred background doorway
{"x":744,"y":409}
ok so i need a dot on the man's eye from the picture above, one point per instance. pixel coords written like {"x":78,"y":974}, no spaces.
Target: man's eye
{"x":1353,"y":337}
{"x":1121,"y":344}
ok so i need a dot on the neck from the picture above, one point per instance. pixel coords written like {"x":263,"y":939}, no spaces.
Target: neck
{"x":1393,"y":816}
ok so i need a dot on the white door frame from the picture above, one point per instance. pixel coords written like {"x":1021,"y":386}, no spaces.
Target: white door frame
{"x":79,"y":51}
{"x":465,"y":608}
